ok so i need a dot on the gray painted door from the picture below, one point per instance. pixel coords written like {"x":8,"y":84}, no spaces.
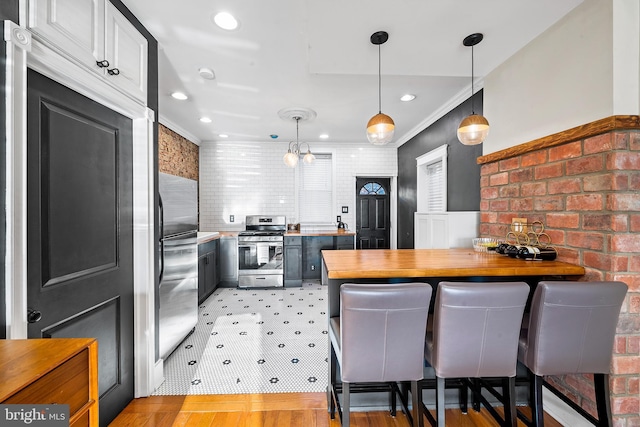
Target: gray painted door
{"x":373,"y":213}
{"x":80,"y":230}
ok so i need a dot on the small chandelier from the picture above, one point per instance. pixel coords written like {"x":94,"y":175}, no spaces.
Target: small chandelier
{"x":473,"y":129}
{"x":380,"y":127}
{"x":295,"y":148}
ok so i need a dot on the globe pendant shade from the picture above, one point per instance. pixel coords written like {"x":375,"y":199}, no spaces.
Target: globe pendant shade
{"x":290,"y":159}
{"x":380,"y":129}
{"x":473,"y":130}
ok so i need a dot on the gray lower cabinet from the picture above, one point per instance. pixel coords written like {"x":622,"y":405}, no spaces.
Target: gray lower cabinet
{"x":303,"y":258}
{"x":292,"y":261}
{"x":208,"y":268}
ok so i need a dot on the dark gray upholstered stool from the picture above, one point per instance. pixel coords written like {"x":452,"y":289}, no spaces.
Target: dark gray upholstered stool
{"x":378,"y":338}
{"x":475,"y":334}
{"x":571,"y":329}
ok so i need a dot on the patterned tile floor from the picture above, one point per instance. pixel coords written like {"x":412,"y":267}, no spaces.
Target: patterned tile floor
{"x":254,"y":341}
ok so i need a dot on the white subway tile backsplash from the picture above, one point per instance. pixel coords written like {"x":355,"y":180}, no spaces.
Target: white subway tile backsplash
{"x":246,"y":179}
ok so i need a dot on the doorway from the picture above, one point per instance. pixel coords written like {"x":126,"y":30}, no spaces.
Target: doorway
{"x":373,"y":213}
{"x":80,"y":230}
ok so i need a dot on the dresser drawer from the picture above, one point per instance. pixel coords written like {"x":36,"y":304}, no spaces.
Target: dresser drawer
{"x":67,"y":383}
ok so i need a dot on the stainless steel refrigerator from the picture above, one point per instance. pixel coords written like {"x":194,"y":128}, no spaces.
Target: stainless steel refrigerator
{"x":178,"y":291}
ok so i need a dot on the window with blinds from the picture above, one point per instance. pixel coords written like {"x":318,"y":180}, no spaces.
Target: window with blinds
{"x":315,"y":190}
{"x":435,"y":184}
{"x":432,"y":180}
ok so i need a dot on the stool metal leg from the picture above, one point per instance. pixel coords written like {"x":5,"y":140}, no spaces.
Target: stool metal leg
{"x":601,"y":383}
{"x":535,"y":397}
{"x":509,"y":394}
{"x":416,"y":404}
{"x":440,"y":401}
{"x":346,"y":405}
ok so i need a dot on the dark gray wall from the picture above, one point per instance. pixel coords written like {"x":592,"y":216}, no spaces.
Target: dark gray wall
{"x":463,"y":173}
{"x":9,"y":9}
{"x":3,"y":183}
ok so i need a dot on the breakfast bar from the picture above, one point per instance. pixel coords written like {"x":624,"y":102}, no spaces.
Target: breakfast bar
{"x":433,"y":266}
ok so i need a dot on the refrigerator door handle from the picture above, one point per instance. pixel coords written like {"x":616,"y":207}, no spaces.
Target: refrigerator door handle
{"x":161,"y":239}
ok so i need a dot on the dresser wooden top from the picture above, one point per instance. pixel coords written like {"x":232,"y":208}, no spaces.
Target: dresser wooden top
{"x":406,"y":263}
{"x":24,"y":361}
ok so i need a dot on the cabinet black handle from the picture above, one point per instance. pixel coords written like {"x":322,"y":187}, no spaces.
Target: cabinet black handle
{"x":33,"y":316}
{"x":113,"y":71}
{"x":102,"y":64}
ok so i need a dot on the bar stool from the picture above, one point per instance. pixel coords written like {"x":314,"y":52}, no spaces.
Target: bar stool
{"x":378,"y":338}
{"x":475,"y":334}
{"x":571,"y":330}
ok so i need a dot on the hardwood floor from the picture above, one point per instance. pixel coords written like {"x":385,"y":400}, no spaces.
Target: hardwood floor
{"x":266,"y":410}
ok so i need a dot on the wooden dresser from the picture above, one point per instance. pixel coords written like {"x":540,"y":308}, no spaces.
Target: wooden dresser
{"x":57,"y":370}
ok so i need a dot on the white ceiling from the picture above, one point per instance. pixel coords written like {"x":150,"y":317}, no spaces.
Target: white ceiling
{"x":317,"y":55}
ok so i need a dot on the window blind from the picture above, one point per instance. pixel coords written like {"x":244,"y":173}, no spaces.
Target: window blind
{"x":435,"y":187}
{"x":316,"y":190}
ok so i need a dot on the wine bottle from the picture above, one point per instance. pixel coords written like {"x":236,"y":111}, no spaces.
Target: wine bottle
{"x":537,"y":253}
{"x":502,"y":248}
{"x":512,"y":250}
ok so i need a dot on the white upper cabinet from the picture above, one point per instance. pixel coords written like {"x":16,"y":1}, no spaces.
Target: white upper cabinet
{"x":97,"y":36}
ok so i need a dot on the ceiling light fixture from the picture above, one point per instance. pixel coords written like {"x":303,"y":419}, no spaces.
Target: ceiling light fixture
{"x":380,"y":127}
{"x":207,"y":73}
{"x":205,"y":119}
{"x":223,"y":135}
{"x":293,"y":154}
{"x":226,"y":21}
{"x":323,"y":136}
{"x":473,"y":129}
{"x":408,"y":97}
{"x":179,"y":95}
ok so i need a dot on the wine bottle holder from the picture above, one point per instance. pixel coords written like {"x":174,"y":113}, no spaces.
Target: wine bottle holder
{"x":532,"y":235}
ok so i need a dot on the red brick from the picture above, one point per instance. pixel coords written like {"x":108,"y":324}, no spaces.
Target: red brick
{"x":621,"y":140}
{"x":494,"y":230}
{"x":605,"y":261}
{"x":565,"y":151}
{"x":625,"y":405}
{"x":533,"y":189}
{"x":634,"y":304}
{"x":590,"y":274}
{"x":488,"y":217}
{"x":585,"y":240}
{"x":625,"y":243}
{"x":633,"y":344}
{"x":505,"y":218}
{"x":585,"y":202}
{"x":550,"y":203}
{"x":620,"y":223}
{"x":632,"y":280}
{"x":585,"y":389}
{"x":499,"y":205}
{"x":623,"y":160}
{"x":624,"y":202}
{"x":596,"y":221}
{"x":509,"y":164}
{"x":535,"y":158}
{"x":620,"y":345}
{"x":548,"y":171}
{"x":632,"y":385}
{"x":620,"y":181}
{"x":499,"y":178}
{"x":521,"y":175}
{"x":563,"y":220}
{"x":557,"y":236}
{"x":484,"y":205}
{"x":599,"y":144}
{"x":584,"y":165}
{"x":597,"y":182}
{"x":509,"y":191}
{"x":564,"y":186}
{"x":618,"y":385}
{"x":634,"y":140}
{"x":488,"y":168}
{"x":634,"y":222}
{"x":489,"y":193}
{"x":484,"y":181}
{"x":634,"y":181}
{"x":626,"y":365}
{"x":522,"y":205}
{"x":634,"y":263}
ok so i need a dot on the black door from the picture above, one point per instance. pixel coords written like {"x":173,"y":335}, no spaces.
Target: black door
{"x":80,"y":230}
{"x":373,"y":213}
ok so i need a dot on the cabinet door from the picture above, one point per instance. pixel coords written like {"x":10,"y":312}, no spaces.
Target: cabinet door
{"x":75,"y":27}
{"x":202,"y":277}
{"x":292,"y":265}
{"x":229,"y":259}
{"x":126,"y":51}
{"x":216,"y":264}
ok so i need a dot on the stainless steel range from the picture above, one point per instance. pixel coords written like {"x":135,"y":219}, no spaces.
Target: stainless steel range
{"x":260,"y":252}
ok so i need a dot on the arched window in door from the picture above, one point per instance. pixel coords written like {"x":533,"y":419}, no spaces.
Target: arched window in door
{"x":372,"y":189}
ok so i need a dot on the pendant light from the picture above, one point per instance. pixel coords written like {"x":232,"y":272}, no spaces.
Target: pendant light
{"x":380,"y":127}
{"x":474,"y":128}
{"x":293,"y":154}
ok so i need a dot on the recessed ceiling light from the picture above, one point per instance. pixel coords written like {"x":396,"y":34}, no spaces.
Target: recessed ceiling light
{"x":207,"y":73}
{"x":179,"y":95}
{"x":323,"y":136}
{"x":223,"y":135}
{"x":407,"y":97}
{"x":205,"y":119}
{"x":225,"y":20}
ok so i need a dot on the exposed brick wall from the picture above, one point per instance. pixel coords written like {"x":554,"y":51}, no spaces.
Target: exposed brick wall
{"x":587,"y":194}
{"x":176,"y":154}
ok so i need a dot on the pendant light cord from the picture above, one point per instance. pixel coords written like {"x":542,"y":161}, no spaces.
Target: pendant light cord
{"x":379,"y":83}
{"x":473,"y":111}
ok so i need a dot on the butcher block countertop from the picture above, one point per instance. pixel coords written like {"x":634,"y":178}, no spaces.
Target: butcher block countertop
{"x":336,"y":232}
{"x":403,"y":263}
